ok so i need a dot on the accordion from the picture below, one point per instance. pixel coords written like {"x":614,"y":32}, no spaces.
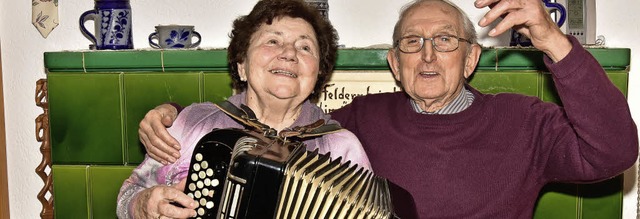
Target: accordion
{"x":237,"y":173}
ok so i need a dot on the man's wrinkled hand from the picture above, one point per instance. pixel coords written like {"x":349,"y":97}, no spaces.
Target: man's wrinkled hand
{"x":530,"y":18}
{"x":160,"y":145}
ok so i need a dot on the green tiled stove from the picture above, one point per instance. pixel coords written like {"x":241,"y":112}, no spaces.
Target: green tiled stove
{"x":94,"y":100}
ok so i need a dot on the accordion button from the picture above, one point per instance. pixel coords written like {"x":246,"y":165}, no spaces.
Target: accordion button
{"x":209,"y":205}
{"x":205,"y":192}
{"x":192,"y":186}
{"x":202,"y":174}
{"x":209,"y":172}
{"x":215,"y":182}
{"x":200,"y":184}
{"x":200,"y":211}
{"x":207,"y":182}
{"x":194,"y":177}
{"x":204,"y":164}
{"x":199,"y":157}
{"x":203,"y":202}
{"x":196,"y":167}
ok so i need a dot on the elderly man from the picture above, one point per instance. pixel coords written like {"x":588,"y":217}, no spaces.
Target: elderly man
{"x":465,"y":154}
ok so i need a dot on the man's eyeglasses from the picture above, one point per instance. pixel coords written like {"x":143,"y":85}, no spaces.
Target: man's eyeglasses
{"x":441,"y":43}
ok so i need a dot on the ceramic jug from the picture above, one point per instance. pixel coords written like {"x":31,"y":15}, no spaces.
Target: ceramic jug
{"x":112,"y":21}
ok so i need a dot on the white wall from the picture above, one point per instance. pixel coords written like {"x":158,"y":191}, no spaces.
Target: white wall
{"x":360,"y":23}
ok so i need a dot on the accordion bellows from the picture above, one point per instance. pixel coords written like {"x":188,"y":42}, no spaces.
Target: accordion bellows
{"x":239,"y":174}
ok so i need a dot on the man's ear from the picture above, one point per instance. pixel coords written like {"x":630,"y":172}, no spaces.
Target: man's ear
{"x":472,"y":60}
{"x":394,"y":63}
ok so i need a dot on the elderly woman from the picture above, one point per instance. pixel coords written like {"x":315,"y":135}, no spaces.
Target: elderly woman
{"x":279,"y":56}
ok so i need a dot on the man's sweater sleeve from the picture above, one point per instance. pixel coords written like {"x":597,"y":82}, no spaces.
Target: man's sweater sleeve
{"x":600,"y":139}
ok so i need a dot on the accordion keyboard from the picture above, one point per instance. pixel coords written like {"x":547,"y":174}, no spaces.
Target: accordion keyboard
{"x":240,"y":183}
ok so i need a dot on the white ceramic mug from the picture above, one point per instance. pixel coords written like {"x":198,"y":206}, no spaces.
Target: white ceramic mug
{"x":174,"y":36}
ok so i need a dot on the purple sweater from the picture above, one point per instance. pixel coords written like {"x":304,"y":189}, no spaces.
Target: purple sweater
{"x":492,"y":159}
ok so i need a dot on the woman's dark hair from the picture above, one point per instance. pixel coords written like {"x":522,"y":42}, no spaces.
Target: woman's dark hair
{"x":264,"y":12}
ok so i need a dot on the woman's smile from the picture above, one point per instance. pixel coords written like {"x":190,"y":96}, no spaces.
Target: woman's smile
{"x":284,"y":73}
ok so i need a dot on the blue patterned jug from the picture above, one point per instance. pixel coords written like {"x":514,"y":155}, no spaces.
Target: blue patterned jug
{"x":112,"y":21}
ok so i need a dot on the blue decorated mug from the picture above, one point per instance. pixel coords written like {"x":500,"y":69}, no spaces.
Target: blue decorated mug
{"x":112,"y":21}
{"x":174,"y":37}
{"x":518,"y":39}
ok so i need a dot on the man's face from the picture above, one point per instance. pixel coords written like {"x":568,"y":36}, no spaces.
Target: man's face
{"x":432,"y":78}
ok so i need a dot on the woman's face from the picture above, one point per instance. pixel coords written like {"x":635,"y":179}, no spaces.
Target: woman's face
{"x":282,"y":60}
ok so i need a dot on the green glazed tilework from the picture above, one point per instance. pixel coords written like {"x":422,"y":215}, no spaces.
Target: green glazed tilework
{"x":526,"y":83}
{"x":548,"y":92}
{"x":619,"y":78}
{"x":85,"y":118}
{"x":505,"y":58}
{"x":144,"y":91}
{"x":596,"y":201}
{"x":611,"y":59}
{"x":126,"y":59}
{"x":603,"y":199}
{"x":70,"y":191}
{"x":372,"y":59}
{"x":510,"y":59}
{"x":559,"y":201}
{"x":83,"y":191}
{"x":217,"y":87}
{"x":201,"y":60}
{"x":529,"y":59}
{"x":94,"y":117}
{"x":105,"y":183}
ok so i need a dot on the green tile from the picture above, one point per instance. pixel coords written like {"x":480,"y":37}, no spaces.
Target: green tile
{"x":105,"y":183}
{"x":201,"y":60}
{"x":603,"y":199}
{"x":63,"y":61}
{"x":512,"y":82}
{"x":557,"y":201}
{"x":121,"y":60}
{"x":144,"y":91}
{"x":619,"y":78}
{"x":217,"y":87}
{"x":519,"y":59}
{"x":548,"y":92}
{"x":612,"y":58}
{"x":499,"y":59}
{"x":70,"y":191}
{"x":361,"y":59}
{"x":352,"y":58}
{"x":487,"y":60}
{"x":85,"y":118}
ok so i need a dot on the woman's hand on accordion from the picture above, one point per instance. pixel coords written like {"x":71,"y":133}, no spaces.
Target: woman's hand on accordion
{"x":163,"y":201}
{"x":160,"y":145}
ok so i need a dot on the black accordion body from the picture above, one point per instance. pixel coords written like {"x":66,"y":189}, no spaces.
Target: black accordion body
{"x":237,"y":173}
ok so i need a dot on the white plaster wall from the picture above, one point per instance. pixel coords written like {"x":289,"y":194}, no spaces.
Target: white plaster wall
{"x":360,"y":23}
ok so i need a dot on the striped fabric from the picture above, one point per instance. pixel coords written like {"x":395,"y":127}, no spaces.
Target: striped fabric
{"x":460,"y":103}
